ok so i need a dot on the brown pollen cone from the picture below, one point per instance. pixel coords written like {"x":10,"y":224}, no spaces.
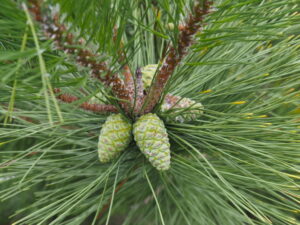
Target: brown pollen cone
{"x":96,"y":108}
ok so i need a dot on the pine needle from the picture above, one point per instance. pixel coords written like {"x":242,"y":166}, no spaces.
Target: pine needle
{"x":8,"y":117}
{"x":44,"y":74}
{"x":112,"y":196}
{"x":154,"y":196}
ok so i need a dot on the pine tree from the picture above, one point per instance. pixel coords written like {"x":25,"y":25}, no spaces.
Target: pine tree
{"x":226,"y":90}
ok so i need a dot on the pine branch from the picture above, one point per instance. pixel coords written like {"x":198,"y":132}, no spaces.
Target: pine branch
{"x":65,"y":41}
{"x":124,"y":90}
{"x":240,"y":159}
{"x":175,"y":55}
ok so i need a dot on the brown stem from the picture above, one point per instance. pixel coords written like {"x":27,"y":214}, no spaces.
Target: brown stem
{"x":96,"y":108}
{"x":174,"y":56}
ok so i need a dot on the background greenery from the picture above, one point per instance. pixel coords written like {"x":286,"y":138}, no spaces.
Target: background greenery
{"x":238,"y":164}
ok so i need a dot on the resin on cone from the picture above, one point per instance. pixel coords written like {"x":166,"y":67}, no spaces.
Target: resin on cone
{"x":114,"y":137}
{"x":151,"y":137}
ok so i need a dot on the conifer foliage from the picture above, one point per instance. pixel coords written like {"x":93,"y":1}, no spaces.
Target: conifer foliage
{"x":192,"y":108}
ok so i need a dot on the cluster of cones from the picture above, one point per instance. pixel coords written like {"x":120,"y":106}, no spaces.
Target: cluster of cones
{"x":149,"y":133}
{"x":149,"y":130}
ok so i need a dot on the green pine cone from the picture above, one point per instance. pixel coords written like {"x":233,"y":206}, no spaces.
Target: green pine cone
{"x":151,"y":137}
{"x":187,"y":109}
{"x":148,"y":74}
{"x":114,"y":137}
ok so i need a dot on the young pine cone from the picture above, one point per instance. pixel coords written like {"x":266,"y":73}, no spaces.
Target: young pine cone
{"x":148,"y":74}
{"x":114,"y":137}
{"x":182,"y":109}
{"x":151,"y":137}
